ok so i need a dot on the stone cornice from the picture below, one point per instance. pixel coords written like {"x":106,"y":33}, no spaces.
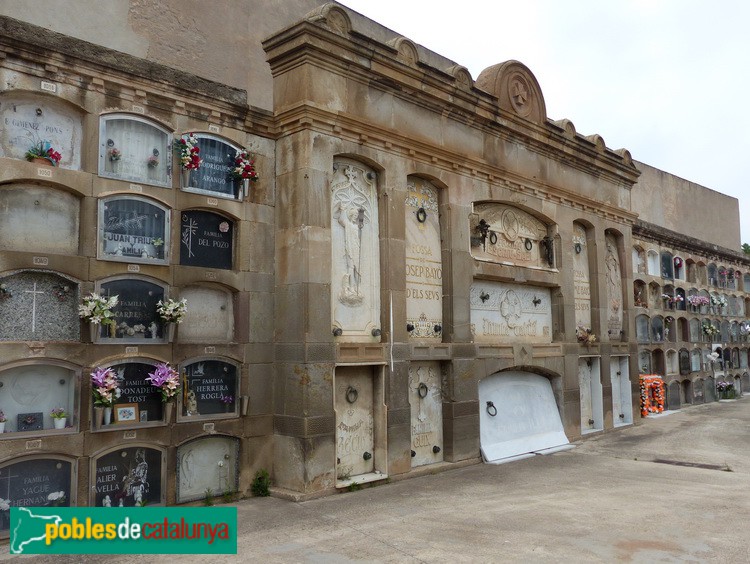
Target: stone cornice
{"x":377,"y":65}
{"x":305,"y":117}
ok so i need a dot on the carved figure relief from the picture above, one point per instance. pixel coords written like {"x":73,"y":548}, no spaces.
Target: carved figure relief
{"x":614,"y":288}
{"x":355,"y":261}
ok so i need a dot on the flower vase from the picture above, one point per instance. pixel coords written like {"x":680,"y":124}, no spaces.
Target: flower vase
{"x":2,"y":426}
{"x":115,"y":166}
{"x":41,"y":161}
{"x":169,"y":331}
{"x":244,"y":404}
{"x":94,"y":332}
{"x":245,"y":187}
{"x":98,"y":416}
{"x":107,"y":416}
{"x":184,"y":178}
{"x":59,"y":422}
{"x":168,"y":407}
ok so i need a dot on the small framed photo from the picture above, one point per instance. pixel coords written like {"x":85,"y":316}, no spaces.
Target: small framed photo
{"x":143,"y":416}
{"x":126,"y":413}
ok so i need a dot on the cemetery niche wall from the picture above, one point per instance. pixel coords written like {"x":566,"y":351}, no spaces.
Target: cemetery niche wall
{"x":407,"y":249}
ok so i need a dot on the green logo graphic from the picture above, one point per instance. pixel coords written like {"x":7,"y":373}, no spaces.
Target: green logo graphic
{"x":123,"y":530}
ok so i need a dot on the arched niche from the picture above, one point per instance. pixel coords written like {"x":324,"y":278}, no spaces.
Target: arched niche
{"x":212,"y":178}
{"x":30,"y":118}
{"x":653,"y":263}
{"x":31,"y":389}
{"x":135,"y":149}
{"x":507,"y":234}
{"x":207,"y":464}
{"x":667,"y":266}
{"x":210,"y":389}
{"x":136,"y":318}
{"x":40,"y":480}
{"x":129,"y":476}
{"x":639,"y":260}
{"x":133,"y":229}
{"x":38,"y":218}
{"x":210,"y":315}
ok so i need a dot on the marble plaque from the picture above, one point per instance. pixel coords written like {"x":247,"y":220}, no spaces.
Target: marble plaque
{"x":207,"y":464}
{"x":353,"y":402}
{"x":508,"y":235}
{"x":38,"y":219}
{"x":35,"y":482}
{"x":133,"y":230}
{"x":39,"y":306}
{"x":613,"y":274}
{"x":135,"y":315}
{"x":212,"y":177}
{"x":510,"y":313}
{"x":424,"y":264}
{"x":206,"y":240}
{"x":355,"y":257}
{"x":136,"y":389}
{"x":128,"y":477}
{"x":209,"y":318}
{"x":581,"y":277}
{"x":518,"y":415}
{"x":143,"y":148}
{"x":426,"y":402}
{"x":209,"y":387}
{"x":26,"y":120}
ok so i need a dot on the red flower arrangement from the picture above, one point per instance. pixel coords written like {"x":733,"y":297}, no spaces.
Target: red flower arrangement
{"x":44,"y":150}
{"x":243,"y":167}
{"x":188,"y":151}
{"x":652,"y":394}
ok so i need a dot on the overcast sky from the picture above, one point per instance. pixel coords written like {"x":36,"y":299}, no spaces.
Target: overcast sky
{"x":666,"y":79}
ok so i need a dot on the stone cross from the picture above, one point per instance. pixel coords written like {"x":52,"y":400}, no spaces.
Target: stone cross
{"x":33,"y":292}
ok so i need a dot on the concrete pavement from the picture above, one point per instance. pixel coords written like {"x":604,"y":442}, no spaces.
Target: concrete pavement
{"x":604,"y":501}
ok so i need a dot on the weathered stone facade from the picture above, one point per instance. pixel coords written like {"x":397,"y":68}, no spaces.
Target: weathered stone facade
{"x":414,"y":236}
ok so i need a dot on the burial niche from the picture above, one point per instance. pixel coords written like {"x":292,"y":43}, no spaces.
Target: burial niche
{"x":28,"y":120}
{"x":209,"y":464}
{"x":426,"y":402}
{"x":510,"y":313}
{"x":34,"y":482}
{"x":424,"y":264}
{"x":38,"y":219}
{"x":581,"y":277}
{"x":39,"y":306}
{"x":509,"y":235}
{"x":355,"y":258}
{"x":135,"y":149}
{"x":29,"y":393}
{"x":518,"y":416}
{"x":206,"y":240}
{"x":128,"y":477}
{"x":133,"y":229}
{"x":613,"y":279}
{"x":209,"y":317}
{"x":135,"y":316}
{"x":212,"y":178}
{"x":209,"y":389}
{"x":137,"y":393}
